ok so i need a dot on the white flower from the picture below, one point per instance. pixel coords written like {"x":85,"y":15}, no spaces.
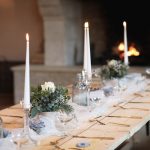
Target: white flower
{"x":112,"y":63}
{"x":48,"y":86}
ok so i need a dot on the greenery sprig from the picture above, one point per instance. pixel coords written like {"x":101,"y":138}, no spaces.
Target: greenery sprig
{"x":49,"y":99}
{"x":113,"y":69}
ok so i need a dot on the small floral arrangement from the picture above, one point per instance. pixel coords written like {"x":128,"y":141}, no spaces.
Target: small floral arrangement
{"x":49,"y":98}
{"x":113,"y":69}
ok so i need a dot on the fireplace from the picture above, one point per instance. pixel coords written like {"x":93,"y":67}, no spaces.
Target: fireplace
{"x":138,"y":32}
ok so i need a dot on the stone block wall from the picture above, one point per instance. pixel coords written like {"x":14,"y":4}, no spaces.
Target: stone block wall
{"x":40,"y":74}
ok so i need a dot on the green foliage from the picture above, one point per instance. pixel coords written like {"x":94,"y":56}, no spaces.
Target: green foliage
{"x":47,"y":101}
{"x":113,"y":69}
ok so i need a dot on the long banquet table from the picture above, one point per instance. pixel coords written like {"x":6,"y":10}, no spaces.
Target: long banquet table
{"x":103,"y":133}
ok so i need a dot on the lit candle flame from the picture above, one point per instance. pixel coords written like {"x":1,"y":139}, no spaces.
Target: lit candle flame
{"x":124,"y":23}
{"x":86,"y":24}
{"x":121,"y":46}
{"x":27,"y":36}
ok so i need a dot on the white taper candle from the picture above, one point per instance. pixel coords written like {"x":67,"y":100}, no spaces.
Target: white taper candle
{"x":87,"y":53}
{"x":126,"y":61}
{"x":27,"y":76}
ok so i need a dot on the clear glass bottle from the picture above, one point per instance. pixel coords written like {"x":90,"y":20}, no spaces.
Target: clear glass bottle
{"x":96,"y":82}
{"x":1,"y":128}
{"x":80,"y":92}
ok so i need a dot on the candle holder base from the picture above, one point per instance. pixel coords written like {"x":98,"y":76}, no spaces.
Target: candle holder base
{"x":26,"y":129}
{"x":21,"y":136}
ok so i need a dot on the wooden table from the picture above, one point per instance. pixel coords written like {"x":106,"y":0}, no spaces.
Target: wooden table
{"x":104,"y":133}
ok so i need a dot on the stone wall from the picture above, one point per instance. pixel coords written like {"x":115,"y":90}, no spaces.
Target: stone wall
{"x":95,"y":15}
{"x":17,"y":17}
{"x":40,"y":74}
{"x":62,"y":31}
{"x":55,"y":28}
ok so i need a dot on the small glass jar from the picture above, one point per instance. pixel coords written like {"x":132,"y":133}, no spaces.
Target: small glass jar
{"x":96,"y":81}
{"x":1,"y":128}
{"x":80,"y":91}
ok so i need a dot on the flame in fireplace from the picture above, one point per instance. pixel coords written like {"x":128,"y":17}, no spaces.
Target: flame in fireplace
{"x":133,"y":51}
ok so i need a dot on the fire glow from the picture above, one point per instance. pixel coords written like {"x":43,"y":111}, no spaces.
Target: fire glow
{"x":131,"y":52}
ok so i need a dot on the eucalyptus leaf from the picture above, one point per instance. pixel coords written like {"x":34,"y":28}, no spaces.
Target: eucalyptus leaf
{"x":34,"y":111}
{"x":113,"y":69}
{"x":43,"y":101}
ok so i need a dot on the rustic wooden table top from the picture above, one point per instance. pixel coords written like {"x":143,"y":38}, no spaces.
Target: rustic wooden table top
{"x":103,"y":133}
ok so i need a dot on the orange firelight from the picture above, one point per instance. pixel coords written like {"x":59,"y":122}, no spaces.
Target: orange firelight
{"x":131,"y":52}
